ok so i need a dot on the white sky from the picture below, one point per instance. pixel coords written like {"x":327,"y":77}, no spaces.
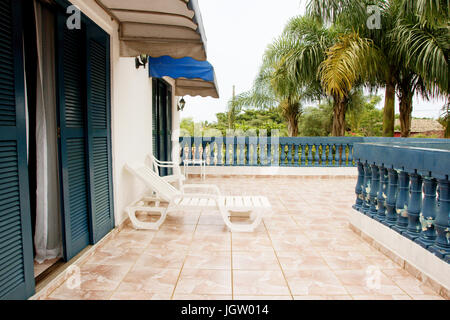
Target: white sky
{"x":238,"y":33}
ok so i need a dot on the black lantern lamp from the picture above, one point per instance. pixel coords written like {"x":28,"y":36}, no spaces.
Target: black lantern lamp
{"x":141,"y":60}
{"x":181,"y":104}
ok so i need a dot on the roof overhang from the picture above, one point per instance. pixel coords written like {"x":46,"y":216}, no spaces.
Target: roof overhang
{"x":192,"y":77}
{"x":158,"y":27}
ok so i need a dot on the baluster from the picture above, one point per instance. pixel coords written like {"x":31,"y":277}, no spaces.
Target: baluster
{"x":428,"y":234}
{"x":316,"y":155}
{"x":414,"y":207}
{"x":303,"y":157}
{"x":382,"y":190}
{"x":269,"y":153}
{"x":374,"y":188}
{"x":366,"y":187}
{"x":310,"y":158}
{"x":401,"y":204}
{"x":350,"y":155}
{"x":241,"y":145}
{"x":204,"y":154}
{"x":358,"y":190}
{"x":247,"y":149}
{"x":235,"y":155}
{"x":296,"y":156}
{"x":182,"y":147}
{"x":276,"y":153}
{"x":324,"y":154}
{"x":190,"y":146}
{"x":441,"y":248}
{"x":255,"y":154}
{"x":262,"y":152}
{"x":289,"y":155}
{"x":283,"y":155}
{"x":336,"y":156}
{"x":219,"y":144}
{"x":391,"y":215}
{"x":212,"y":160}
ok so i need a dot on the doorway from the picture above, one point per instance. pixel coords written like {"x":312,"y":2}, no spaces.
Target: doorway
{"x":162,"y":122}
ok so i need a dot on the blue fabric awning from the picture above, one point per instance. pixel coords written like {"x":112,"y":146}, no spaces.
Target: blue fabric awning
{"x":192,"y":77}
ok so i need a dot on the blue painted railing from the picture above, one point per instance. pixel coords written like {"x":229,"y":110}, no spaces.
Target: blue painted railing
{"x":279,"y":151}
{"x":405,"y":186}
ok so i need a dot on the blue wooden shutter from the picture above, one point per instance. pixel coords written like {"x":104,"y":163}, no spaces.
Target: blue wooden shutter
{"x":72,"y":143}
{"x":16,"y":253}
{"x":99,"y":131}
{"x":155,"y":147}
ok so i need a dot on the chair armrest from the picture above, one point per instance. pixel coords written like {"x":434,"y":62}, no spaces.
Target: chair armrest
{"x":201,"y":186}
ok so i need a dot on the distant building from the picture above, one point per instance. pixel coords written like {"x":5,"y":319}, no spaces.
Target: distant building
{"x":423,"y":127}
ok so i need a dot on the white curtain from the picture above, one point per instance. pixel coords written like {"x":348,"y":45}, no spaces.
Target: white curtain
{"x":47,"y":238}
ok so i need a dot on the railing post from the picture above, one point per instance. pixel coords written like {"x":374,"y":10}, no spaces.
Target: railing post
{"x":219,"y":144}
{"x":381,"y":200}
{"x":235,"y":151}
{"x":247,"y":149}
{"x":310,"y":158}
{"x":428,"y":235}
{"x":358,"y":190}
{"x":414,"y":207}
{"x":289,"y":155}
{"x":316,"y":155}
{"x":374,"y":188}
{"x":391,"y":215}
{"x":366,"y":188}
{"x":441,"y":248}
{"x":255,"y":151}
{"x":350,"y":155}
{"x":303,"y":156}
{"x":269,"y":152}
{"x":336,"y":156}
{"x":401,"y":204}
{"x":283,"y":155}
{"x":241,"y":143}
{"x":296,"y":156}
{"x":324,"y":154}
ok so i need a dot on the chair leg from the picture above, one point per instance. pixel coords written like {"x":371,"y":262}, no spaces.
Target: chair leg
{"x":240,"y":227}
{"x":140,"y":225}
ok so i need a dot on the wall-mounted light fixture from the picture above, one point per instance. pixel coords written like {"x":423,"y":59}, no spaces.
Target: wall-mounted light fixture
{"x":181,"y":104}
{"x":141,"y":60}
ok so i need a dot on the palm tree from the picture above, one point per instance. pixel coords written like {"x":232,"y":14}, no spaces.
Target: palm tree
{"x":407,"y":55}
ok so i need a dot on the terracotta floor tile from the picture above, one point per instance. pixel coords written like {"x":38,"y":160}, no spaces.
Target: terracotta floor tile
{"x":204,"y":282}
{"x":101,"y":277}
{"x":208,"y":260}
{"x":130,"y":239}
{"x":211,"y":243}
{"x":382,"y":297}
{"x":64,"y":293}
{"x":139,"y":296}
{"x":301,"y":260}
{"x":314,"y":282}
{"x":370,"y":281}
{"x":427,"y":297}
{"x":201,"y":297}
{"x":255,"y":298}
{"x":155,"y":258}
{"x":251,"y":242}
{"x":259,"y":283}
{"x":255,"y":260}
{"x":330,"y":297}
{"x":149,"y":280}
{"x":116,"y":256}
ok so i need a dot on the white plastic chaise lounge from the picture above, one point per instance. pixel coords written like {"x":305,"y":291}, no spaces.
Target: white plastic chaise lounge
{"x":180,"y":200}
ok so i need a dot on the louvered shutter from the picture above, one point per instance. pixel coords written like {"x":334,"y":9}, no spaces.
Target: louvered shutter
{"x":16,"y":253}
{"x":169,"y":126}
{"x":73,"y":141}
{"x":155,"y":118}
{"x":99,"y":131}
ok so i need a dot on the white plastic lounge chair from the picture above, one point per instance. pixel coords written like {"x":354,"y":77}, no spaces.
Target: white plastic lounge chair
{"x":180,"y":200}
{"x":176,"y":175}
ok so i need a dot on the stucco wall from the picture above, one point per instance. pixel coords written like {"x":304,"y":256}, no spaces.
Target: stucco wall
{"x":131,"y":112}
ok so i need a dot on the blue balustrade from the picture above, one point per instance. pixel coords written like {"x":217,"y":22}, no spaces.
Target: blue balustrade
{"x":409,"y":180}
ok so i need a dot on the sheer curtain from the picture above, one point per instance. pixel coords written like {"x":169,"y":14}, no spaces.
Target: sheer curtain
{"x":48,"y":243}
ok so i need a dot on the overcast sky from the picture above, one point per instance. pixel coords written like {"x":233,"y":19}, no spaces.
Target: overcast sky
{"x":238,"y":32}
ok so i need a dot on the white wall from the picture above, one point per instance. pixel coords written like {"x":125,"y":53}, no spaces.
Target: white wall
{"x":131,"y":113}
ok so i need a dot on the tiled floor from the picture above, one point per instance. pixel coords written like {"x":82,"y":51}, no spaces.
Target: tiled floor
{"x":303,"y":250}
